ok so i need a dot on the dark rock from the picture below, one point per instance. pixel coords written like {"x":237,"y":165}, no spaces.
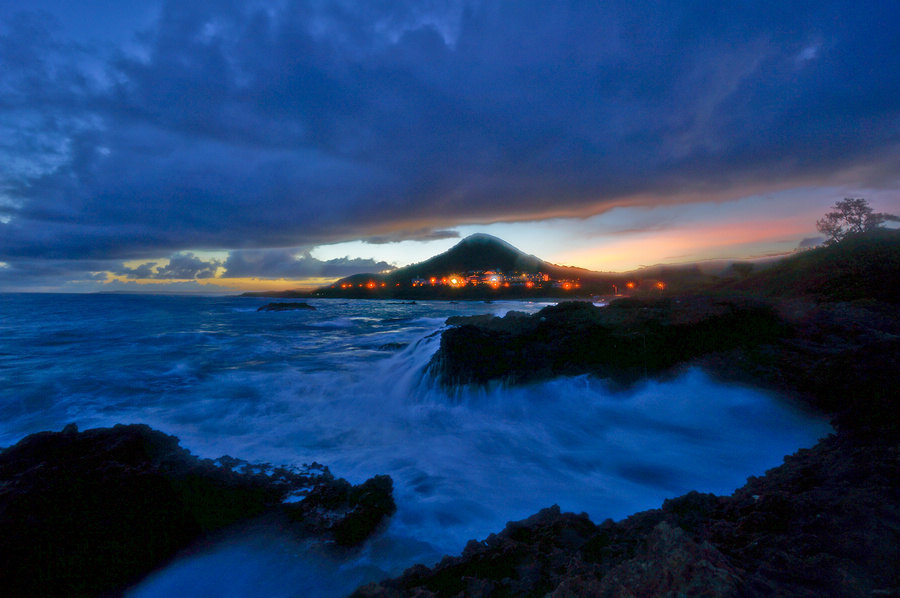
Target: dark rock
{"x":797,"y":347}
{"x":522,"y":560}
{"x":285,"y":306}
{"x":625,"y":341}
{"x":86,"y":513}
{"x":826,"y":522}
{"x":348,"y":514}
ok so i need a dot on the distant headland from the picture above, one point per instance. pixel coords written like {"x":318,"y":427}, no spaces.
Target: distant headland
{"x":485,"y":267}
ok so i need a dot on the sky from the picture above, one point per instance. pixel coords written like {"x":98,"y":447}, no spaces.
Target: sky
{"x":213,"y":146}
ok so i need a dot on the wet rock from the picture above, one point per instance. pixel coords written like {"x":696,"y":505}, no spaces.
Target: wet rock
{"x":88,"y":513}
{"x":826,"y":522}
{"x":348,"y":514}
{"x":842,"y":359}
{"x":671,"y":563}
{"x":285,"y":306}
{"x":628,"y":340}
{"x":525,"y":559}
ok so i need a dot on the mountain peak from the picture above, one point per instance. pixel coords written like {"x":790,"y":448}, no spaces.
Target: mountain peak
{"x":479,"y":251}
{"x":483,"y":238}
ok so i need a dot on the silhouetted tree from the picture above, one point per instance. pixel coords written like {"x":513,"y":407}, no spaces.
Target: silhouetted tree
{"x":851,"y":215}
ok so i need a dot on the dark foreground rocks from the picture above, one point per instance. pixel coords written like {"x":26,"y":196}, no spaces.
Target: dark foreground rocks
{"x":88,"y":513}
{"x":285,"y":306}
{"x":825,"y":523}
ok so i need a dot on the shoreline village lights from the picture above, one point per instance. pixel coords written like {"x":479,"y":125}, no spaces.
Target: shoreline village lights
{"x":493,"y":279}
{"x":496,"y":279}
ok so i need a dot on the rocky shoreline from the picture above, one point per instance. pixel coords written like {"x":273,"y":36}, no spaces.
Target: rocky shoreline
{"x":826,"y":522}
{"x":89,"y":513}
{"x":840,"y":358}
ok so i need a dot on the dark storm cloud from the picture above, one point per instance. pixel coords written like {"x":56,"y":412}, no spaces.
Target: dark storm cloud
{"x":294,"y":264}
{"x":418,"y":235}
{"x":41,"y":274}
{"x":241,"y":125}
{"x":181,"y":266}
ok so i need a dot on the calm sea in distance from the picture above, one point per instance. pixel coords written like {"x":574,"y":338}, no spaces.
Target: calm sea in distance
{"x":347,"y":385}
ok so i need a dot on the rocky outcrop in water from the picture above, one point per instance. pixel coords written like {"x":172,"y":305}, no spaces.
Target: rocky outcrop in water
{"x":623,"y":342}
{"x":87,"y":513}
{"x":825,"y":523}
{"x":841,"y":358}
{"x":347,"y":513}
{"x":285,"y":306}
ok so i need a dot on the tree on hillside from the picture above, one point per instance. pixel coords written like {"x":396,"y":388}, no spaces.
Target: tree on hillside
{"x":850,"y":216}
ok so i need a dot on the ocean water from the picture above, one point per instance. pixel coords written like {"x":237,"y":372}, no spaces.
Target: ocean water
{"x":346,"y":385}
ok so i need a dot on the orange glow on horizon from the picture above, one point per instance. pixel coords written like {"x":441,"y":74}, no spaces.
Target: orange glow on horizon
{"x":732,"y":240}
{"x":227,"y":285}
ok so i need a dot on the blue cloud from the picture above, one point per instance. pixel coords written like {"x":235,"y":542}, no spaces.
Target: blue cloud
{"x":181,"y":266}
{"x":294,"y":264}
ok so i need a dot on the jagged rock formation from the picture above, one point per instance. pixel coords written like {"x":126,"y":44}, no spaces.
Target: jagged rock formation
{"x":842,"y":358}
{"x":87,"y":513}
{"x":625,"y":341}
{"x":825,"y":523}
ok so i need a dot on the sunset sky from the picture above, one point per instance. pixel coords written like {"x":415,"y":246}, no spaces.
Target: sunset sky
{"x":213,"y":146}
